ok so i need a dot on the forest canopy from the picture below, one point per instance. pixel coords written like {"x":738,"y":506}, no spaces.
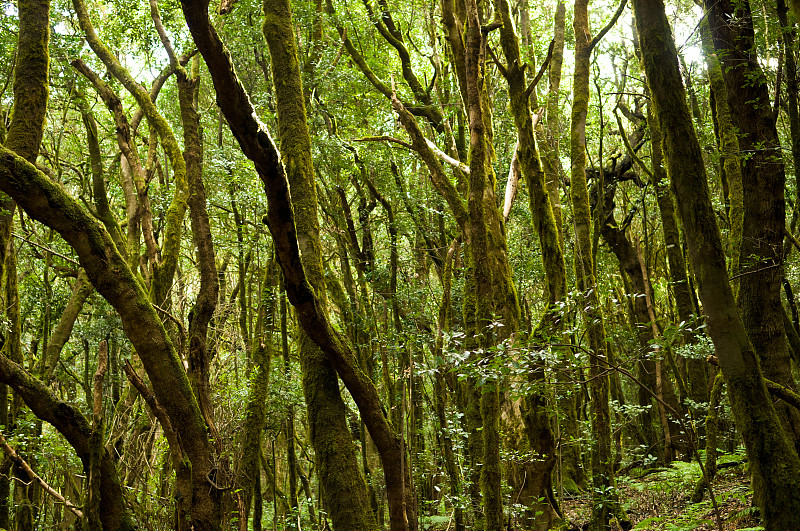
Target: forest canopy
{"x":407,"y":265}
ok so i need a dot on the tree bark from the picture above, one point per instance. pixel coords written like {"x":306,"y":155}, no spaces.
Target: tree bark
{"x":763,"y":181}
{"x":478,"y":236}
{"x":80,"y":292}
{"x":537,"y":422}
{"x":77,"y":431}
{"x":602,"y":459}
{"x":344,"y":489}
{"x":774,"y":461}
{"x":257,"y":145}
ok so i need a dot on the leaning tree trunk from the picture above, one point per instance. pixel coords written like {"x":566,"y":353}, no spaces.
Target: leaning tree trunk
{"x":763,"y":180}
{"x":257,"y":145}
{"x":343,"y":488}
{"x":773,"y":460}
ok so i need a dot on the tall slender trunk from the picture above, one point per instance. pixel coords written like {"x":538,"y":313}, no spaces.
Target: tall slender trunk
{"x":763,"y":180}
{"x":344,"y":489}
{"x":478,"y":234}
{"x":549,"y":132}
{"x":602,"y":458}
{"x":540,"y":437}
{"x":773,"y":459}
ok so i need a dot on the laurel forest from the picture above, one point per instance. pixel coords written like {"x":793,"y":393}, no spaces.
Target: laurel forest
{"x":406,"y":265}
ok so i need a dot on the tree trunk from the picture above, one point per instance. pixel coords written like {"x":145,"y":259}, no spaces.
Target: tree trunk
{"x":536,"y":478}
{"x":763,"y":181}
{"x":344,"y":490}
{"x":550,"y":131}
{"x":603,"y":501}
{"x":773,"y":460}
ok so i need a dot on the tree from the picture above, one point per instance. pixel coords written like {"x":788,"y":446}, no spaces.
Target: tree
{"x":755,"y":416}
{"x":434,"y":369}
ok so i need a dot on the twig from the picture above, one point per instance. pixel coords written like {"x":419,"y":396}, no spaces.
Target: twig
{"x":791,"y":238}
{"x":383,"y":138}
{"x":49,"y":250}
{"x":433,"y":147}
{"x":630,"y":149}
{"x":599,"y":36}
{"x":102,"y":365}
{"x":787,"y":395}
{"x":773,"y":266}
{"x":540,"y":73}
{"x":47,"y":488}
{"x":173,"y":319}
{"x":158,"y":412}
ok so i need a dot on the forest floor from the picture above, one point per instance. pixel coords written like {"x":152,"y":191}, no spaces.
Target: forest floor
{"x":659,"y":499}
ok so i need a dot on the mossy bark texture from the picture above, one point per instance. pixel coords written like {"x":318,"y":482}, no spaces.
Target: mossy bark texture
{"x":602,"y":458}
{"x":763,"y":181}
{"x":199,"y":356}
{"x":31,"y":81}
{"x":728,"y":141}
{"x":343,"y":487}
{"x":487,"y":300}
{"x":80,"y":292}
{"x":550,"y":131}
{"x":258,"y":146}
{"x":773,"y":459}
{"x":696,"y":374}
{"x":164,"y":270}
{"x":537,"y":421}
{"x":712,"y":432}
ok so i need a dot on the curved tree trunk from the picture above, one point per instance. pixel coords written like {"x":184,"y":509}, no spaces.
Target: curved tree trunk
{"x":257,"y":145}
{"x":343,"y":488}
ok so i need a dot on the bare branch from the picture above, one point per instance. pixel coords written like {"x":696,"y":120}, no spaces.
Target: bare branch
{"x":599,"y":36}
{"x":14,"y":456}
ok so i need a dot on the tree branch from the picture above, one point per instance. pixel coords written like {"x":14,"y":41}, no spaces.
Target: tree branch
{"x":599,"y":36}
{"x":14,"y":456}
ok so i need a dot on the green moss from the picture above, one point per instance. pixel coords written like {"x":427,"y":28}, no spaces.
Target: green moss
{"x":570,"y":487}
{"x":31,"y":88}
{"x":344,"y":489}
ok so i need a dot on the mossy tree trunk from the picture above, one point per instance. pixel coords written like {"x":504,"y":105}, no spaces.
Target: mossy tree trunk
{"x":549,"y":135}
{"x":249,"y":472}
{"x":728,"y":142}
{"x":602,"y":458}
{"x":773,"y":459}
{"x":24,"y":136}
{"x":540,"y":437}
{"x":695,"y":370}
{"x":789,"y":38}
{"x":763,"y":181}
{"x":549,"y":131}
{"x":257,"y":145}
{"x":343,"y":487}
{"x":199,"y":356}
{"x":483,"y":304}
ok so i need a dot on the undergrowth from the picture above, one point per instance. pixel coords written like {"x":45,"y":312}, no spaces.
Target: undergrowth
{"x":659,"y":499}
